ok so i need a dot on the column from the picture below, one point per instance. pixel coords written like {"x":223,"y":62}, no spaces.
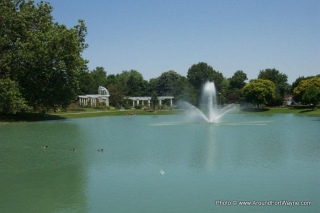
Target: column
{"x":171,"y":102}
{"x":160,"y":103}
{"x":148,"y":102}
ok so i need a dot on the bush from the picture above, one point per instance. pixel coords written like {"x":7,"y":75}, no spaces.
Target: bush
{"x":138,"y":106}
{"x":299,"y":106}
{"x":77,"y":110}
{"x":127,"y":106}
{"x":165,"y":107}
{"x":102,"y":107}
{"x":11,"y":100}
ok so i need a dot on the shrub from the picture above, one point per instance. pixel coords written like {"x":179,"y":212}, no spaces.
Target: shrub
{"x":138,"y":106}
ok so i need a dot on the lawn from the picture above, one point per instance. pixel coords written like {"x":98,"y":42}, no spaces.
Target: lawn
{"x":284,"y":110}
{"x":31,"y":117}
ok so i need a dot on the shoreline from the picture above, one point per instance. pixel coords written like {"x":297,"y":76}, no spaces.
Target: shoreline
{"x":33,"y":117}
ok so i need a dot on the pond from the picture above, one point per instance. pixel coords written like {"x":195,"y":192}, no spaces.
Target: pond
{"x":268,"y":160}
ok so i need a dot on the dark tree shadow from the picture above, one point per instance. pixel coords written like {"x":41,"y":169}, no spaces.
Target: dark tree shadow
{"x":306,"y":110}
{"x":255,"y":109}
{"x":28,"y":117}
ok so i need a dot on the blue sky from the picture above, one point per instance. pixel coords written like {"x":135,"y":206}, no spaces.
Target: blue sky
{"x":154,"y":36}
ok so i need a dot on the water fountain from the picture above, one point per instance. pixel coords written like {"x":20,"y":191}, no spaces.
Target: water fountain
{"x":208,"y":109}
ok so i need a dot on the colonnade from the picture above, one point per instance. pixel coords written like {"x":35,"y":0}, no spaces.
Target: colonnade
{"x":93,"y":100}
{"x":141,"y":100}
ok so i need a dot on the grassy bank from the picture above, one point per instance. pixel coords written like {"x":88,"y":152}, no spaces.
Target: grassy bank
{"x":34,"y":116}
{"x":97,"y":113}
{"x":31,"y":117}
{"x":28,"y":117}
{"x":283,"y":111}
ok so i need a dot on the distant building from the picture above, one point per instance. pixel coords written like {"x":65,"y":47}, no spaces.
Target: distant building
{"x":141,"y":100}
{"x":94,"y":100}
{"x":288,"y":100}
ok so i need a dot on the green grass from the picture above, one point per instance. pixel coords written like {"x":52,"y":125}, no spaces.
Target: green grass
{"x":284,"y":111}
{"x":28,"y":117}
{"x":89,"y":112}
{"x":96,"y":113}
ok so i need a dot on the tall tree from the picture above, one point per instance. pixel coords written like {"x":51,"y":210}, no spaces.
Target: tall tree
{"x":237,"y":81}
{"x":137,"y":86}
{"x":11,"y":100}
{"x":173,"y":84}
{"x":311,"y":95}
{"x":118,"y":90}
{"x":42,"y":56}
{"x":184,"y":91}
{"x":165,"y":84}
{"x":99,"y":76}
{"x":279,"y":79}
{"x":199,"y":74}
{"x":87,"y":83}
{"x":154,"y":100}
{"x":298,"y":80}
{"x":303,"y":87}
{"x":259,"y":91}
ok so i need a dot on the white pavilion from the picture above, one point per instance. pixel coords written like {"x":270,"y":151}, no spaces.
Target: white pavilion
{"x":93,"y":100}
{"x":141,"y":100}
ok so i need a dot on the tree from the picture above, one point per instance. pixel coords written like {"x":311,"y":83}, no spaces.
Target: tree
{"x":279,"y":79}
{"x":303,"y":87}
{"x":43,"y":57}
{"x":184,"y":91}
{"x":311,"y":95}
{"x":298,"y":80}
{"x":86,"y":83}
{"x":137,"y":86}
{"x":199,"y":74}
{"x":154,"y":100}
{"x":234,"y":95}
{"x":166,"y":83}
{"x":11,"y":100}
{"x":128,"y":83}
{"x":259,"y":91}
{"x":99,"y":76}
{"x":296,"y":83}
{"x":171,"y":83}
{"x":237,"y":81}
{"x":117,"y":92}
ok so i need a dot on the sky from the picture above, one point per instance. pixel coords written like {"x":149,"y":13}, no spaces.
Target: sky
{"x":155,"y":36}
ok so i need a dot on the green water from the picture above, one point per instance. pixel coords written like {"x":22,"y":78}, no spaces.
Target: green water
{"x":243,"y":158}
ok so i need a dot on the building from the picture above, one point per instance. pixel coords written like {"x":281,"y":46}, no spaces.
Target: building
{"x":142,"y":100}
{"x":96,"y":99}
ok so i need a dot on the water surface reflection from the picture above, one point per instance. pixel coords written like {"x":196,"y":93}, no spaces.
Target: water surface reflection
{"x":243,"y":158}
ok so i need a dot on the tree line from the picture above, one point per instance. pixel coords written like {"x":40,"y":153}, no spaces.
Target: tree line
{"x":41,"y":67}
{"x":270,"y":88}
